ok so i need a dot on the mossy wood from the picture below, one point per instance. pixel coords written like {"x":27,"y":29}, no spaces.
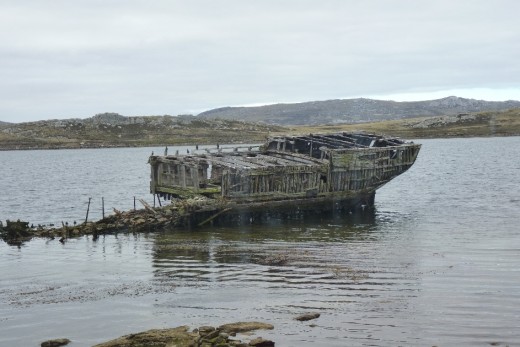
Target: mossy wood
{"x":298,"y":171}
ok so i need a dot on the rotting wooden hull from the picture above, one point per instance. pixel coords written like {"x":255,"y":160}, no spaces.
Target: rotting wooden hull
{"x":297,"y":173}
{"x":236,"y":214}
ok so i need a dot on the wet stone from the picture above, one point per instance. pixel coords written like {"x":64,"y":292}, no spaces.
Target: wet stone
{"x":307,"y":316}
{"x":241,"y":327}
{"x":55,"y":343}
{"x":204,"y":330}
{"x":211,"y":335}
{"x":260,"y":342}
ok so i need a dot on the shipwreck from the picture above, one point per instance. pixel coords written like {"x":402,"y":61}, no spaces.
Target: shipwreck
{"x":340,"y":171}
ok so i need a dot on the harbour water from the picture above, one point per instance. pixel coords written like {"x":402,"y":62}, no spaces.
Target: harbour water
{"x":436,"y":264}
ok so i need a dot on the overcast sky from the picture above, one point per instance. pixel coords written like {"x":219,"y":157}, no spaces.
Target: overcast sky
{"x":77,"y":58}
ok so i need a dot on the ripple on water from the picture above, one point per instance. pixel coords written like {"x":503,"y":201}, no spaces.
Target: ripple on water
{"x":436,"y":263}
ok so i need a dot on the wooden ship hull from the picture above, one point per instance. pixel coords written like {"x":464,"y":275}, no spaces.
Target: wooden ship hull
{"x":319,"y":172}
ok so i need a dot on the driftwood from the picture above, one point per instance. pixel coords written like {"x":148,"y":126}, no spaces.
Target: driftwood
{"x":214,"y":216}
{"x":147,"y":206}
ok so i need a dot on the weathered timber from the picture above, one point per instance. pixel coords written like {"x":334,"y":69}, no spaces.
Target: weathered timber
{"x":299,"y":171}
{"x":180,"y":213}
{"x":15,"y":232}
{"x":207,"y":220}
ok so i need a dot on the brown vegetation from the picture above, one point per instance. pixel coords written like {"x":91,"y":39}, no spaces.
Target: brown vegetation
{"x":503,"y":123}
{"x":122,"y":131}
{"x":167,"y":130}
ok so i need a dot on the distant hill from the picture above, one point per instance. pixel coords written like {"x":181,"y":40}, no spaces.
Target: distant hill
{"x":3,"y":123}
{"x":115,"y":130}
{"x":351,"y":111}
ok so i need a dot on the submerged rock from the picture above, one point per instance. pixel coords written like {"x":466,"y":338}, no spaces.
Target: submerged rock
{"x":15,"y":233}
{"x":260,"y":342}
{"x":307,"y":316}
{"x":241,"y":327}
{"x":55,"y":343}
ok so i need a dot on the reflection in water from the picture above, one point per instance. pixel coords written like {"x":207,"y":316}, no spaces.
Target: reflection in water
{"x":340,"y":266}
{"x":251,"y":243}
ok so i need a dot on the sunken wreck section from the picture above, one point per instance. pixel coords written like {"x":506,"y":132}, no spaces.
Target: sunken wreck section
{"x":338,"y":170}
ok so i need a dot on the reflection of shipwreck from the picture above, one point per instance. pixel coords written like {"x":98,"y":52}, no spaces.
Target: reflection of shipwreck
{"x":329,"y":171}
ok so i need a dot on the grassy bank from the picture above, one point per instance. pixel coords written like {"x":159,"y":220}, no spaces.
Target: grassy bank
{"x":506,"y":123}
{"x":150,"y":131}
{"x":166,"y":130}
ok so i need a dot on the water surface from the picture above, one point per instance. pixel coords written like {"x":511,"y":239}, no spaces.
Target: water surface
{"x":437,"y":263}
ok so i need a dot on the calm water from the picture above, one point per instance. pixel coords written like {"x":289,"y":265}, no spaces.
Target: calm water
{"x":437,"y":263}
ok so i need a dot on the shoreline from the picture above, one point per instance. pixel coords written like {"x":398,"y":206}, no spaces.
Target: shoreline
{"x":231,"y":142}
{"x":151,"y":132}
{"x":116,"y":145}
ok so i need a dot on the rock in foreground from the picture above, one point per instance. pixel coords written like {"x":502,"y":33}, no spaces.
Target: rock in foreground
{"x":242,"y":327}
{"x":179,"y":336}
{"x":182,"y":337}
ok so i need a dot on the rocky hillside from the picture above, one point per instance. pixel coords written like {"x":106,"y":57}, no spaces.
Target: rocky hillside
{"x":114,"y":130}
{"x":482,"y":124}
{"x":351,"y":111}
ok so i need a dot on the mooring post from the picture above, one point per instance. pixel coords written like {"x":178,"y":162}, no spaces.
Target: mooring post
{"x":134,"y":203}
{"x":103,"y":206}
{"x":88,"y":208}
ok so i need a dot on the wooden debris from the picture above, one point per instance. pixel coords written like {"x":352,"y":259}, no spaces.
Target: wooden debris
{"x":214,"y":216}
{"x":147,"y":206}
{"x":335,"y":167}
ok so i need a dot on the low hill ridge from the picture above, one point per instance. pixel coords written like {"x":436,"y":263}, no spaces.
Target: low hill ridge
{"x":115,"y":130}
{"x":359,"y":110}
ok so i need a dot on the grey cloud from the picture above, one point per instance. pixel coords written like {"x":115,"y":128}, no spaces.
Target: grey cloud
{"x":63,"y":58}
